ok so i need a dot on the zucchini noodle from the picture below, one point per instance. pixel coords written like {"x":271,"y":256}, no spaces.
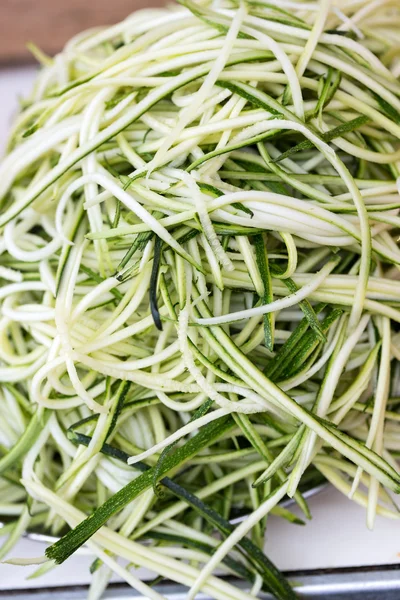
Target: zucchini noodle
{"x":200,"y":287}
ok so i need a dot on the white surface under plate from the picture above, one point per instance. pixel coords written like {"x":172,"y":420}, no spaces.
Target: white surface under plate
{"x":336,"y":537}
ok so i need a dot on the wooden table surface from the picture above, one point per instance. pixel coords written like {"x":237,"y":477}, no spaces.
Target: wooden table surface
{"x":50,"y":23}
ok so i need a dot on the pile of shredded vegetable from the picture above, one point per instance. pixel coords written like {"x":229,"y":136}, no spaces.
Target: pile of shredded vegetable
{"x":200,"y":287}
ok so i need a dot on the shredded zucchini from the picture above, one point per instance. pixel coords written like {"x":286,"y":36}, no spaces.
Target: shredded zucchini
{"x":199,"y":287}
